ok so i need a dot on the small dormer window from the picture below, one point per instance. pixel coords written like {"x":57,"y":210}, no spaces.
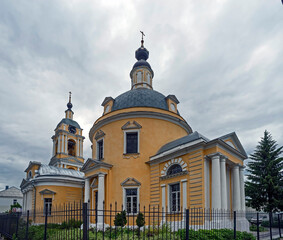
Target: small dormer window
{"x":29,"y":174}
{"x":107,"y":109}
{"x":172,"y":105}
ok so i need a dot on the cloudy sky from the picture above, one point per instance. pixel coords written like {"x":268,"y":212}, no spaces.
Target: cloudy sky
{"x":221,"y":58}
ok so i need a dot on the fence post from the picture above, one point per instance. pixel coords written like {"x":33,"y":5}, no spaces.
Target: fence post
{"x":17,"y":225}
{"x":27,"y":225}
{"x":270,"y":225}
{"x":235,"y":226}
{"x":85,"y":222}
{"x":279,"y":225}
{"x":257,"y":225}
{"x":187,"y":223}
{"x":45,"y":223}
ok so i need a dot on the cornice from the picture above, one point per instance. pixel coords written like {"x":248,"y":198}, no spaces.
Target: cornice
{"x":139,"y":114}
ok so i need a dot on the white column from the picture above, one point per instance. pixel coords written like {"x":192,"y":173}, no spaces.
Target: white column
{"x":101,"y":192}
{"x":87,"y":190}
{"x":53,"y":150}
{"x":184,"y":190}
{"x":215,"y":183}
{"x":236,"y":188}
{"x":206,"y":182}
{"x":223,"y":183}
{"x":163,"y":199}
{"x":82,"y":148}
{"x":228,"y":188}
{"x":66,"y":144}
{"x":77,"y":146}
{"x":242,"y":189}
{"x":59,"y":143}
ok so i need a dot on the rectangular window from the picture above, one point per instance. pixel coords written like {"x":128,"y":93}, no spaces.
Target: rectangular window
{"x":15,"y":201}
{"x":47,"y":205}
{"x":100,"y":150}
{"x":175,"y":197}
{"x":132,"y":200}
{"x":131,"y":142}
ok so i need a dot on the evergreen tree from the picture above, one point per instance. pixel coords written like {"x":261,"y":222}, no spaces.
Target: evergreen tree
{"x":264,"y":188}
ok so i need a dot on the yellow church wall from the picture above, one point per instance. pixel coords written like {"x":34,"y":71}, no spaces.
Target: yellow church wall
{"x":63,"y":195}
{"x":195,"y":179}
{"x":153,"y":134}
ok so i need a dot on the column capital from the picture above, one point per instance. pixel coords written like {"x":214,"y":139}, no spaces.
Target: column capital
{"x":216,"y":155}
{"x":163,"y":185}
{"x":236,"y":166}
{"x":101,"y":174}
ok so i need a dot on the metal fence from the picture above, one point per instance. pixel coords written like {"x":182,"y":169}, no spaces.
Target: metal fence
{"x":77,"y":221}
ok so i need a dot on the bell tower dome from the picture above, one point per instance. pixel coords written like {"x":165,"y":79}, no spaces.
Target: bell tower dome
{"x":68,"y":142}
{"x":141,"y":74}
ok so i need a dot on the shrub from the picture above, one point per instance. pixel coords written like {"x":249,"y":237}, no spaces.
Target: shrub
{"x":253,"y":228}
{"x":215,"y":234}
{"x":120,"y":219}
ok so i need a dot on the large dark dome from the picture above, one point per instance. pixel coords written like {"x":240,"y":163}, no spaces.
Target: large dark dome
{"x":140,"y":97}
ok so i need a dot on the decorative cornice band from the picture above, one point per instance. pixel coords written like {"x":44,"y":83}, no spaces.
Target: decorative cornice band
{"x":174,"y":175}
{"x":139,"y":114}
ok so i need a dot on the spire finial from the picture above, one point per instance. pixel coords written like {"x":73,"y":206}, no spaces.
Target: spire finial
{"x":142,"y":38}
{"x":70,"y":105}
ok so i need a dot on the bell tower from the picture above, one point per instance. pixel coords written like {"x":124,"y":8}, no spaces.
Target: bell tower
{"x":68,"y":142}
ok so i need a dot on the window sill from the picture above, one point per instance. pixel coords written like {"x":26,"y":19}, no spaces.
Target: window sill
{"x":131,"y":155}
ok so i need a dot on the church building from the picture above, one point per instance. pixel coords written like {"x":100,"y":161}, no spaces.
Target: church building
{"x":143,"y":153}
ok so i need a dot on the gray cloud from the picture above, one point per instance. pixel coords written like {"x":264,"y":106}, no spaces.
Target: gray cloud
{"x":222,"y":59}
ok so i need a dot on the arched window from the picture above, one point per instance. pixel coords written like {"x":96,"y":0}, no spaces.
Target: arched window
{"x":71,"y":147}
{"x":176,"y":168}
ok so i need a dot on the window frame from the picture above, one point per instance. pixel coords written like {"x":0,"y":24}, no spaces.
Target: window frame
{"x":178,"y":206}
{"x":49,"y":206}
{"x":138,"y":140}
{"x":97,"y":148}
{"x":125,"y":199}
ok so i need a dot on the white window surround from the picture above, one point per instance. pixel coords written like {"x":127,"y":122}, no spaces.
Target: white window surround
{"x":124,"y":198}
{"x":169,"y":199}
{"x":97,"y":150}
{"x":125,"y":140}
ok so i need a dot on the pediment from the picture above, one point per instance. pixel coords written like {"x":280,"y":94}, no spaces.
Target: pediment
{"x":47,"y":192}
{"x":130,"y":182}
{"x":93,"y":164}
{"x":131,"y":125}
{"x":233,"y":141}
{"x":99,"y":134}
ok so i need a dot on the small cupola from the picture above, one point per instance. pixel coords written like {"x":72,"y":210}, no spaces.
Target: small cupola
{"x":69,"y":112}
{"x":141,"y":74}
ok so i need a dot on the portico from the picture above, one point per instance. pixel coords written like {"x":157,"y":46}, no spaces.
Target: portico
{"x":227,"y":182}
{"x":94,"y":191}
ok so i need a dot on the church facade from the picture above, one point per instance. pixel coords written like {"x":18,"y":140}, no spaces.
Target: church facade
{"x":143,"y":153}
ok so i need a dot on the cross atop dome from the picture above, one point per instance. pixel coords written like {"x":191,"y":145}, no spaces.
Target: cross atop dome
{"x":141,"y":74}
{"x":69,"y":112}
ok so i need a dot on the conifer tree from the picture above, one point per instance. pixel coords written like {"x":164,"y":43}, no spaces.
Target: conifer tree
{"x":264,"y":188}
